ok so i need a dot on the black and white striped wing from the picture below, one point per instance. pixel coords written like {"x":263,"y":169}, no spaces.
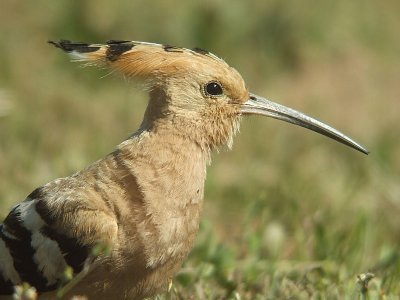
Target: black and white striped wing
{"x":32,"y":250}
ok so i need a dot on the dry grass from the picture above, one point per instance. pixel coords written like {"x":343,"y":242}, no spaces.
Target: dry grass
{"x":288,"y":214}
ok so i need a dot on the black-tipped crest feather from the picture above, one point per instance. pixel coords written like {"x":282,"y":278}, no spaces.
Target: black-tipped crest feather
{"x":69,"y":46}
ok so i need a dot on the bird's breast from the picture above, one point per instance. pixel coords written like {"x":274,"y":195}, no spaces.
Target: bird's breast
{"x":167,"y":201}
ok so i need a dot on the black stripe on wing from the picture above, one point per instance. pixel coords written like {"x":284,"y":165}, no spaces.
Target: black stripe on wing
{"x":75,"y":254}
{"x":18,"y":241}
{"x":6,"y":286}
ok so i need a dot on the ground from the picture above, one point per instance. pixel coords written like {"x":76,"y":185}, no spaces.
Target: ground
{"x":288,"y":214}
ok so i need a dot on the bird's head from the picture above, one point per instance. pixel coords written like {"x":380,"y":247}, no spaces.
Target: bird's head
{"x":192,"y":90}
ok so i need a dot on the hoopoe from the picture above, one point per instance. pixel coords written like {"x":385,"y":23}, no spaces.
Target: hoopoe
{"x":145,"y":198}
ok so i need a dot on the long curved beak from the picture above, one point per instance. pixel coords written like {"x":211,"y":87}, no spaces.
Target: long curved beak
{"x":261,"y":106}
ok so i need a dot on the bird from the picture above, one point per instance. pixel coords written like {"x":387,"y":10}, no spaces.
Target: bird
{"x":143,"y":200}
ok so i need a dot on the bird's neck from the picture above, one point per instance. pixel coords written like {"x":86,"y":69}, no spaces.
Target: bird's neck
{"x":169,"y":167}
{"x":169,"y":173}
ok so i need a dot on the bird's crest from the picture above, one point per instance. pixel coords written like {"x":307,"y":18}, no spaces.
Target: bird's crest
{"x":145,"y":60}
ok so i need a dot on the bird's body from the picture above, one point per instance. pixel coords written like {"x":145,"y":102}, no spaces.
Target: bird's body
{"x":144,"y":199}
{"x":142,"y":203}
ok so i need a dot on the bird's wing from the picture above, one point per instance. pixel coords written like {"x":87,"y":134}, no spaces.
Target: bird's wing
{"x":45,"y":234}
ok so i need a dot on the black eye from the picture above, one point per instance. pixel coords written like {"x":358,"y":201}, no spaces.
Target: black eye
{"x":213,"y":89}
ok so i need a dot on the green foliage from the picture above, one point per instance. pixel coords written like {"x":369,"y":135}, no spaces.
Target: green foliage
{"x":288,"y":214}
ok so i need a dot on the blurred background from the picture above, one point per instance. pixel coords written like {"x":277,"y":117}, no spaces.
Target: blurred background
{"x":288,"y":213}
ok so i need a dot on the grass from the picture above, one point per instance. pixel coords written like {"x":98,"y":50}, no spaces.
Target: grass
{"x":288,"y":214}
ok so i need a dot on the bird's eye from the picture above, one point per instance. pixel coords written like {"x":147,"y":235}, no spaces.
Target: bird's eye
{"x":213,"y":89}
